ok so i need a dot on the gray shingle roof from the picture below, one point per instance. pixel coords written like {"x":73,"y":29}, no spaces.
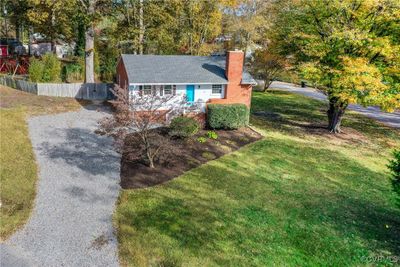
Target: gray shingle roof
{"x":247,"y":78}
{"x":153,"y":69}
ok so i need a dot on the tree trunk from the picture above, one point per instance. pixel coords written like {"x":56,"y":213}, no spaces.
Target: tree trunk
{"x":151,"y":163}
{"x":150,"y":158}
{"x":17,"y":31}
{"x":141,"y":27}
{"x":89,"y":47}
{"x":30,"y":40}
{"x":267,"y":84}
{"x":53,"y":46}
{"x":89,"y":55}
{"x":53,"y":23}
{"x":335,"y":114}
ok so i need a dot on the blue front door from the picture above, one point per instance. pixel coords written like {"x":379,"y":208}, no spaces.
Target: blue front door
{"x":190,"y":93}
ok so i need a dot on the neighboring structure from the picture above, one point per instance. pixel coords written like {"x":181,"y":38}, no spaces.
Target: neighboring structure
{"x":41,"y":48}
{"x":213,"y":79}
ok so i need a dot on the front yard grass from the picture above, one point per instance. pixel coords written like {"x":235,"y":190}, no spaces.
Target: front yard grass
{"x":18,"y":170}
{"x":299,"y":197}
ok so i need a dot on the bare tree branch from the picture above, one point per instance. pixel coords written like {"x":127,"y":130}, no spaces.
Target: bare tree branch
{"x":142,"y":118}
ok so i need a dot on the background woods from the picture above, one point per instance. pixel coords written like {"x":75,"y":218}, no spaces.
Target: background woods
{"x":350,"y":49}
{"x":102,"y":29}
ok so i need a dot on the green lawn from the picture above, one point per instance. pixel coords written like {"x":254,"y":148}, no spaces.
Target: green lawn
{"x":18,"y":170}
{"x":299,"y":197}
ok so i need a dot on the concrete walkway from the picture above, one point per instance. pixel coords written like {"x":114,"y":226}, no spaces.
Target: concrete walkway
{"x":390,"y":119}
{"x":71,"y":223}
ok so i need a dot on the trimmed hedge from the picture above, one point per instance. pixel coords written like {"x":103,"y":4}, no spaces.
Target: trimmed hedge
{"x":227,"y":116}
{"x":183,"y":127}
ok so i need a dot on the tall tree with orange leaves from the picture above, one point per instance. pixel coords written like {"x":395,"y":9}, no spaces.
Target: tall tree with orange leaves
{"x":351,"y":48}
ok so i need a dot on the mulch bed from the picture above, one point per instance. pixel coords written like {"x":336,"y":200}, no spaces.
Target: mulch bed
{"x":190,"y":153}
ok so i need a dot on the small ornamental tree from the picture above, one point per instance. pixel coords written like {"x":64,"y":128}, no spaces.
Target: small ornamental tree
{"x":349,"y":48}
{"x":142,"y":119}
{"x":267,"y":67}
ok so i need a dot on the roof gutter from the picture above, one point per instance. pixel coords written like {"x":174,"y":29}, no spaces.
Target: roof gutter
{"x":253,"y":83}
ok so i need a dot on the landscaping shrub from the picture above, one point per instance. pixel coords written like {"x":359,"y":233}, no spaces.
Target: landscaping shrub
{"x":227,"y":116}
{"x":35,"y":70}
{"x":212,"y":135}
{"x":52,"y":68}
{"x":74,"y":72}
{"x":47,"y":69}
{"x":201,"y":139}
{"x":394,"y":166}
{"x":183,"y":127}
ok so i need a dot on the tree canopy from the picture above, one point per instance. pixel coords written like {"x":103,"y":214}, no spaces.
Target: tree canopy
{"x":349,"y":48}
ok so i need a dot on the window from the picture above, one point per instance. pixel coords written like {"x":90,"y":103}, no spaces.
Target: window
{"x":153,"y":89}
{"x":167,"y":89}
{"x":147,"y":90}
{"x":216,"y":89}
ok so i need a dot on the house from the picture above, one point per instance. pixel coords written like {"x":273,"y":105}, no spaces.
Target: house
{"x":202,"y":79}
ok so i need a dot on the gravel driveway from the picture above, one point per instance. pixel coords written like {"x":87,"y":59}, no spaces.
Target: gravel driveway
{"x":390,"y":119}
{"x":71,"y":224}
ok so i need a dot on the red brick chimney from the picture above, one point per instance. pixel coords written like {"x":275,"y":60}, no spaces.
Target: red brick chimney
{"x":234,"y":65}
{"x":235,"y":91}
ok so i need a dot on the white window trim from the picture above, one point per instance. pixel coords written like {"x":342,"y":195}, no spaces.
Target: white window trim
{"x":141,"y":89}
{"x":171,"y":89}
{"x":144,"y":89}
{"x":219,"y":93}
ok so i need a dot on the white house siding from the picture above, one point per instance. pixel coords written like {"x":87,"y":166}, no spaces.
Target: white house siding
{"x":202,"y":92}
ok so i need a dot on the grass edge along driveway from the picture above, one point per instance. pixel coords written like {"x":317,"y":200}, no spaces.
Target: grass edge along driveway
{"x":18,"y":170}
{"x":298,"y":197}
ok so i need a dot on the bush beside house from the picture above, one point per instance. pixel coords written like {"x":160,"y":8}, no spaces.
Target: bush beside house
{"x":183,"y":127}
{"x":227,"y":116}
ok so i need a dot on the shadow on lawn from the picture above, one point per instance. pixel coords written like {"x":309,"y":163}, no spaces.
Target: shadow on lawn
{"x":299,"y":118}
{"x":290,"y":115}
{"x":211,"y":207}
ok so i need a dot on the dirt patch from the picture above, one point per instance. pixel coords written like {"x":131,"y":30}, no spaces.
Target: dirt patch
{"x":99,"y":242}
{"x":313,"y":128}
{"x":347,"y":135}
{"x":37,"y":105}
{"x":190,"y":153}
